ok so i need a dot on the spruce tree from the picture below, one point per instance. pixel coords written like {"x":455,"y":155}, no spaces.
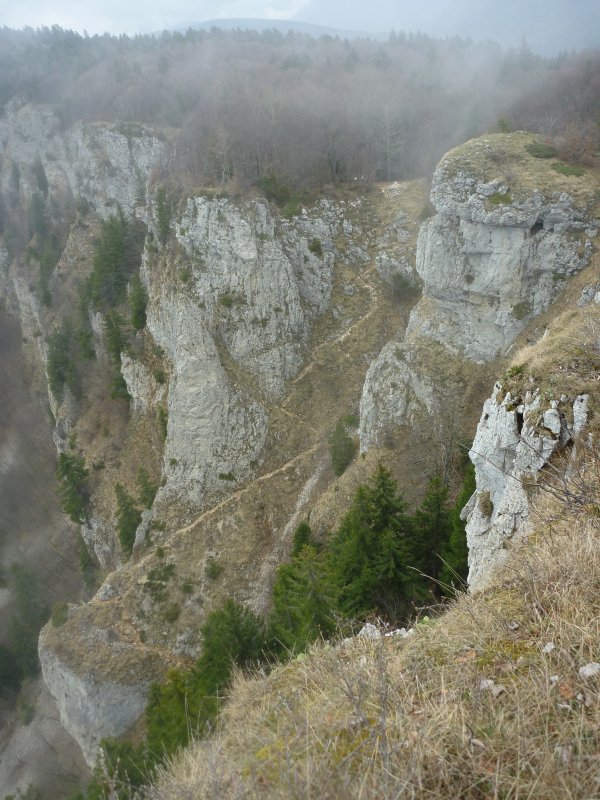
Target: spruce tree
{"x":304,"y":605}
{"x":128,"y":518}
{"x":433,"y":527}
{"x":189,"y":700}
{"x":456,"y":554}
{"x":341,"y":448}
{"x":138,"y":300}
{"x":302,"y":536}
{"x":72,"y":486}
{"x":371,"y":553}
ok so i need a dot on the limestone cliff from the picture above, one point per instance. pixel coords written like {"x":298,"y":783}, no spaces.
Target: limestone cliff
{"x":258,"y":334}
{"x":541,"y":417}
{"x":509,"y":230}
{"x":104,"y":165}
{"x":234,"y":330}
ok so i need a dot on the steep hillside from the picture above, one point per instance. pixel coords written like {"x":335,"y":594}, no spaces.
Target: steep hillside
{"x":194,"y":392}
{"x":497,"y":696}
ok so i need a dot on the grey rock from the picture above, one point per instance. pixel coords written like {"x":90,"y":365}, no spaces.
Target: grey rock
{"x":511,"y":445}
{"x":369,"y":631}
{"x":91,"y":710}
{"x":235,"y":333}
{"x":591,"y":670}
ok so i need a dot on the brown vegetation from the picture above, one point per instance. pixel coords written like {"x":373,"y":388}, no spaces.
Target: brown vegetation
{"x":488,"y":700}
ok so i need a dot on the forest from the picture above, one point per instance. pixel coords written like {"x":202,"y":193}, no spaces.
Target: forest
{"x":299,"y":113}
{"x":382,"y":564}
{"x":287,"y":116}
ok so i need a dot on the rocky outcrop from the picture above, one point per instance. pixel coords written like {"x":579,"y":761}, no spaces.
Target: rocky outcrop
{"x":234,"y":321}
{"x":514,"y":441}
{"x":509,"y":230}
{"x":91,"y":710}
{"x":397,"y":391}
{"x":102,"y":165}
{"x":100,"y":685}
{"x":143,"y":388}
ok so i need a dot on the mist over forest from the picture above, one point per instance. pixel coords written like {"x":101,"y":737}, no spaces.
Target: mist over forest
{"x":201,"y":381}
{"x":242,"y":106}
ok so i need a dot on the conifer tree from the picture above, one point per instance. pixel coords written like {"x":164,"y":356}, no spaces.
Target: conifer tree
{"x":128,"y":518}
{"x":189,"y":700}
{"x":456,"y":554}
{"x":303,"y":602}
{"x":117,"y":256}
{"x":302,"y":536}
{"x":341,"y":447}
{"x":371,"y":553}
{"x":433,"y":527}
{"x":61,"y":361}
{"x":138,"y":300}
{"x":73,"y":489}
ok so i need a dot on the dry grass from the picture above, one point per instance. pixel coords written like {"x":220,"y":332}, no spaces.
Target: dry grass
{"x":484,"y":702}
{"x":565,"y":362}
{"x":505,"y":156}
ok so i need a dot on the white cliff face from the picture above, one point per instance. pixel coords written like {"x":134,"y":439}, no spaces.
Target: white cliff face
{"x":511,"y":446}
{"x":91,"y":710}
{"x":234,"y":322}
{"x":495,"y":255}
{"x":397,"y":391}
{"x":108,"y":166}
{"x":488,"y":272}
{"x":143,"y":388}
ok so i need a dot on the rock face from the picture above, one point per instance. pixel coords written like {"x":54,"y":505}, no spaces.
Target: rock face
{"x":505,"y":237}
{"x":234,"y":322}
{"x":511,"y":446}
{"x":235,"y":296}
{"x":105,"y":166}
{"x":90,"y":710}
{"x":396,"y":392}
{"x":102,"y":689}
{"x":488,"y":271}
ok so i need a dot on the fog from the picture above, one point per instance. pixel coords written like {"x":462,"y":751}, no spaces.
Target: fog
{"x":549,"y":26}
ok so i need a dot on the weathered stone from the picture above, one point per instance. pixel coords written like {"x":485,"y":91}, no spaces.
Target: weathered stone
{"x":95,"y":698}
{"x":143,"y":388}
{"x":508,"y":450}
{"x":591,"y":670}
{"x":235,"y":332}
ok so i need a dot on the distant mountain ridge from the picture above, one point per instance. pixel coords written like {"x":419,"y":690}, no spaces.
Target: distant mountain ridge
{"x":547,"y":28}
{"x":284,"y":26}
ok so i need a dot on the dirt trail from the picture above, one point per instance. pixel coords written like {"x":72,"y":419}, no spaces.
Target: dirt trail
{"x":373,"y":306}
{"x":241,"y":492}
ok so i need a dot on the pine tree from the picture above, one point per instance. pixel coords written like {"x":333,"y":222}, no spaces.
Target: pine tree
{"x":138,"y":300}
{"x":188,"y":702}
{"x":73,"y":489}
{"x":371,"y":553}
{"x":163,"y":214}
{"x":114,"y":333}
{"x":60,"y":362}
{"x":456,"y":553}
{"x":117,"y":257}
{"x":302,"y":536}
{"x":433,"y":527}
{"x":303,"y":602}
{"x":341,"y":447}
{"x":128,"y":518}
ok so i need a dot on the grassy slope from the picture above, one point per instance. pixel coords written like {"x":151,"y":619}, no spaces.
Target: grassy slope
{"x":485,"y":701}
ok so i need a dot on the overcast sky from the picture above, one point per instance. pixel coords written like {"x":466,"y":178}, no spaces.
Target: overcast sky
{"x":138,"y":16}
{"x":547,"y":24}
